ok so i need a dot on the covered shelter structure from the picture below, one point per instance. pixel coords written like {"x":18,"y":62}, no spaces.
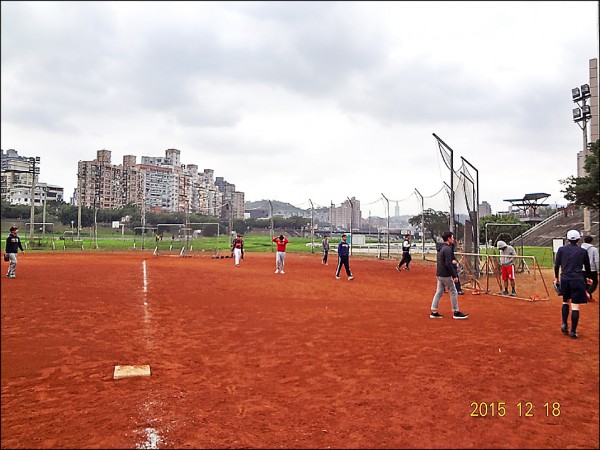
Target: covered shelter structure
{"x":528,"y":205}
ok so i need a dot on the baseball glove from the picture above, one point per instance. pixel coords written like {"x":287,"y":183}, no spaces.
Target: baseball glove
{"x":6,"y":258}
{"x":557,"y":288}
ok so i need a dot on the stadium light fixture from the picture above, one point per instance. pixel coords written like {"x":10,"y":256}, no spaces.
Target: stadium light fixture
{"x":582,"y":114}
{"x":585,"y":91}
{"x":586,"y":111}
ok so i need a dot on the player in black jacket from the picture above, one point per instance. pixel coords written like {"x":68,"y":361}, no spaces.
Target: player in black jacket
{"x":446,"y":277}
{"x":343,"y":251}
{"x":13,"y":244}
{"x":406,"y":258}
{"x":572,"y":260}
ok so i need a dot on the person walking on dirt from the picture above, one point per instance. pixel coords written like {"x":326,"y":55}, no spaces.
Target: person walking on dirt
{"x":446,"y":277}
{"x":574,"y":264}
{"x":594,"y":264}
{"x":236,"y":246}
{"x":507,"y":263}
{"x":325,"y":244}
{"x":281,"y":242}
{"x":343,"y":252}
{"x":406,"y":258}
{"x":13,"y":244}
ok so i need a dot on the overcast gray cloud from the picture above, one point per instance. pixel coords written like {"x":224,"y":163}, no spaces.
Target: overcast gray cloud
{"x":298,"y":100}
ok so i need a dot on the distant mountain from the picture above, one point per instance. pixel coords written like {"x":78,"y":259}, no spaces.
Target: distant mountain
{"x":279,"y":208}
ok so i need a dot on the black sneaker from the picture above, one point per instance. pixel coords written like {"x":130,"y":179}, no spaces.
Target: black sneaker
{"x":461,"y":292}
{"x":460,"y":315}
{"x":407,"y":268}
{"x":513,"y":294}
{"x":435,"y":315}
{"x":564,"y":328}
{"x":573,"y":335}
{"x":504,"y":292}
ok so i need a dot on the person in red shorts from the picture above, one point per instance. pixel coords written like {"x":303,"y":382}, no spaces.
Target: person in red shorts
{"x":507,"y":262}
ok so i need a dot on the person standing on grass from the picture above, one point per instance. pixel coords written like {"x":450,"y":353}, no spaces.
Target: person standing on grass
{"x":574,"y":264}
{"x":13,"y":244}
{"x":343,"y":252}
{"x":325,"y":244}
{"x":594,"y":264}
{"x":281,"y":242}
{"x":446,"y":277}
{"x":507,"y":263}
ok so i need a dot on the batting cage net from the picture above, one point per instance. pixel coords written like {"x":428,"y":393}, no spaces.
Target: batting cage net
{"x":483,"y":273}
{"x":191,"y":239}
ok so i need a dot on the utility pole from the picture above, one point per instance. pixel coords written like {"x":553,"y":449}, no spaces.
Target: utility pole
{"x":422,"y":221}
{"x":78,"y":204}
{"x":34,"y":169}
{"x":143,"y":218}
{"x":388,"y":224}
{"x":312,"y":227}
{"x":271,"y":214}
{"x":351,"y":214}
{"x":45,"y":190}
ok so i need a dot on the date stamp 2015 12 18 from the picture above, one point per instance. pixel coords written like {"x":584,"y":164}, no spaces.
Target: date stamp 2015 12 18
{"x":522,"y":409}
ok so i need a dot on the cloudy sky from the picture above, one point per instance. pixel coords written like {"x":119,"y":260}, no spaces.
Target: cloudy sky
{"x":294,"y":101}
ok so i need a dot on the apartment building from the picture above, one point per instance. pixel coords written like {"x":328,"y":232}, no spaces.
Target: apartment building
{"x":346,"y":215}
{"x":16,"y":179}
{"x":156,"y":184}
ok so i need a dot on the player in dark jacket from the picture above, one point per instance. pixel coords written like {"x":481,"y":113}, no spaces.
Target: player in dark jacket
{"x":572,"y":260}
{"x":446,"y":277}
{"x":13,"y":244}
{"x":343,"y":252}
{"x":406,"y":258}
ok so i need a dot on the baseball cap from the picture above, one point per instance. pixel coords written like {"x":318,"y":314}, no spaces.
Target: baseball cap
{"x":573,"y":235}
{"x":501,"y":244}
{"x":14,"y":228}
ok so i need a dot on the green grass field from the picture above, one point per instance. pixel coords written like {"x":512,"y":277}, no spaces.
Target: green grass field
{"x":112,"y":241}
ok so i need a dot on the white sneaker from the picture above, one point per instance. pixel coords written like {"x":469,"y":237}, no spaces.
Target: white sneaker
{"x":282,"y":272}
{"x":277,"y":271}
{"x":350,"y":277}
{"x":337,"y":278}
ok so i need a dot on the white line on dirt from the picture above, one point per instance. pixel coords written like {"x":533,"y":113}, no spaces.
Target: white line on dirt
{"x":152,"y":436}
{"x":145,"y":280}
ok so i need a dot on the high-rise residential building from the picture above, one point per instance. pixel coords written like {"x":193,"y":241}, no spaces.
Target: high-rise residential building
{"x":156,"y":184}
{"x":485,"y":209}
{"x":16,"y":180}
{"x":346,"y":215}
{"x":233,"y":201}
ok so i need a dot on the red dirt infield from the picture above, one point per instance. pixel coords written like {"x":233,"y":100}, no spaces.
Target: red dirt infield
{"x":244,"y":357}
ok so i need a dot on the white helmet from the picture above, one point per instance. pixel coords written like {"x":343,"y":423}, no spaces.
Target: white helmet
{"x":501,"y":244}
{"x":573,"y":235}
